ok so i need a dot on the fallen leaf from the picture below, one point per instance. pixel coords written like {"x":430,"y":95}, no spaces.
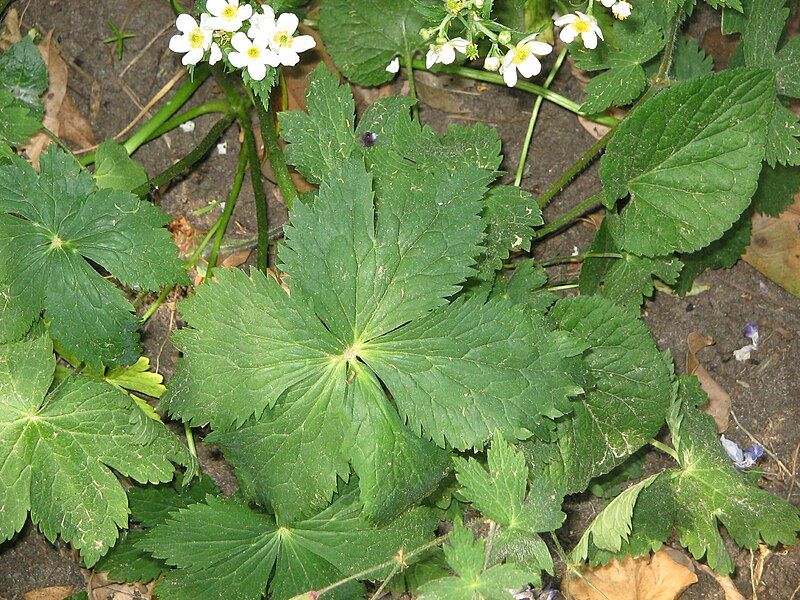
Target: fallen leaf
{"x":296,"y":79}
{"x":11,"y":29}
{"x":596,"y":130}
{"x":775,"y":247}
{"x":185,"y":235}
{"x":236,"y":259}
{"x":61,"y":116}
{"x":720,"y":47}
{"x":100,"y":588}
{"x":719,"y":401}
{"x":56,"y":592}
{"x":655,"y":577}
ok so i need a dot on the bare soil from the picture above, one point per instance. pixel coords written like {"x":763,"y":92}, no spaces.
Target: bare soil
{"x":764,"y":390}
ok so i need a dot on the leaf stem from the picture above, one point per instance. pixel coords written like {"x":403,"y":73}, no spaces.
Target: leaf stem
{"x":560,"y":260}
{"x":186,"y":163}
{"x":561,"y":287}
{"x":225,"y":218}
{"x":662,"y":77}
{"x":399,"y":558}
{"x":527,"y":86}
{"x":576,"y":168}
{"x":275,"y":156}
{"x":412,"y":84}
{"x":664,"y":448}
{"x":537,"y":105}
{"x":262,"y":216}
{"x":214,"y":106}
{"x":489,"y":543}
{"x":569,"y":216}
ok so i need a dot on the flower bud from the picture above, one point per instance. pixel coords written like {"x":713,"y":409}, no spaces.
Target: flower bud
{"x":478,"y":4}
{"x":504,"y":37}
{"x":492,"y":63}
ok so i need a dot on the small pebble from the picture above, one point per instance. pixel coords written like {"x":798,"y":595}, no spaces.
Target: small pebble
{"x":187,"y":127}
{"x":689,"y":307}
{"x":222,"y":148}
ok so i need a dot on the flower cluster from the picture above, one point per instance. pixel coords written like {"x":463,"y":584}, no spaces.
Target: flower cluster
{"x":250,"y":40}
{"x":509,"y":58}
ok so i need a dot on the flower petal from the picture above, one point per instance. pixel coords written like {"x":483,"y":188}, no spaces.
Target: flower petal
{"x":394,"y":66}
{"x":193,"y":57}
{"x":596,"y":29}
{"x":288,"y":57}
{"x":271,"y":58}
{"x":185,"y":23}
{"x":216,"y":54}
{"x":530,"y":67}
{"x":460,"y":44}
{"x":510,"y":75}
{"x":241,"y":43}
{"x":257,"y":70}
{"x":568,"y":34}
{"x":215,"y":7}
{"x":589,"y":39}
{"x":448,"y":55}
{"x":540,"y":48}
{"x":608,"y":3}
{"x":431,"y":58}
{"x":288,"y":22}
{"x":303,"y":42}
{"x":245,"y":12}
{"x":565,"y":20}
{"x":238,"y":59}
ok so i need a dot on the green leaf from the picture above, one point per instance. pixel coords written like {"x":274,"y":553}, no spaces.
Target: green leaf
{"x":445,"y":376}
{"x":137,"y":378}
{"x":708,"y":492}
{"x":776,"y":189}
{"x":382,"y":270}
{"x":151,"y":505}
{"x":500,"y":495}
{"x":526,"y":286}
{"x":720,"y":254}
{"x":363,"y":36}
{"x":263,"y":87}
{"x":612,"y":526}
{"x":626,"y":407}
{"x":627,"y":280}
{"x":24,"y":74}
{"x":690,"y":61}
{"x":788,"y":69}
{"x":660,"y":156}
{"x":17,"y":123}
{"x":52,"y":224}
{"x":125,"y":562}
{"x":762,"y":31}
{"x":610,"y":484}
{"x":465,"y":555}
{"x":57,"y":451}
{"x":394,"y":466}
{"x":509,"y":215}
{"x":223,"y":549}
{"x":783,"y":137}
{"x":115,"y":170}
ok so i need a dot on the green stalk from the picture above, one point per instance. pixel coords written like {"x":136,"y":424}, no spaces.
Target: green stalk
{"x":214,"y":106}
{"x":225,"y":218}
{"x":537,"y":105}
{"x":560,"y":260}
{"x":666,"y":61}
{"x":275,"y":155}
{"x":412,"y":85}
{"x":569,"y":216}
{"x":188,"y":161}
{"x":664,"y":448}
{"x":527,"y":86}
{"x":576,"y":168}
{"x":262,"y":217}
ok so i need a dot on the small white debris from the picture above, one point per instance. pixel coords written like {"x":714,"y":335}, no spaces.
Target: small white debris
{"x":575,"y":251}
{"x":222,"y":148}
{"x":187,"y":127}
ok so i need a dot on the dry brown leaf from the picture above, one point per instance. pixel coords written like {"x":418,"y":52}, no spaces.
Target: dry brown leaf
{"x":100,"y":588}
{"x":719,"y":401}
{"x":11,"y":29}
{"x":61,"y":116}
{"x":726,"y":583}
{"x":775,"y":247}
{"x":656,"y":577}
{"x":236,"y":259}
{"x":596,"y":130}
{"x":56,"y":592}
{"x":185,"y":235}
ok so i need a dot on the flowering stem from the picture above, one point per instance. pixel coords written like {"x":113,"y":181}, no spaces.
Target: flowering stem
{"x":551,"y":96}
{"x":412,"y":86}
{"x":214,"y":106}
{"x":666,"y":60}
{"x":537,"y":105}
{"x":225,"y":218}
{"x":262,"y":216}
{"x":579,"y":165}
{"x":569,"y":216}
{"x":560,"y":260}
{"x":188,"y":161}
{"x":275,"y":154}
{"x":664,"y":448}
{"x":401,"y":556}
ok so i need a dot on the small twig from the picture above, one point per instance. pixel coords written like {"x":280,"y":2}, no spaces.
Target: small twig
{"x":144,"y":50}
{"x":794,"y":472}
{"x":153,"y":101}
{"x":766,"y":449}
{"x":794,"y":593}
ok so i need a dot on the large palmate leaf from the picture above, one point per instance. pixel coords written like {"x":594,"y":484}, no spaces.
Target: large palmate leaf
{"x":57,"y":451}
{"x":223,"y":549}
{"x":626,"y":407}
{"x":690,"y":159}
{"x":500,"y":495}
{"x":52,"y":224}
{"x":363,"y":36}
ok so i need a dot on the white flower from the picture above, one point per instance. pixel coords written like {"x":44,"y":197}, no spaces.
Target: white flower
{"x":622,"y":10}
{"x":254,"y":55}
{"x":227,"y":15}
{"x":280,"y":36}
{"x":394,"y":66}
{"x":579,"y":24}
{"x":445,"y":53}
{"x":492,"y":63}
{"x":524,"y":58}
{"x":263,"y":23}
{"x":608,"y":3}
{"x":216,"y":54}
{"x":194,"y":39}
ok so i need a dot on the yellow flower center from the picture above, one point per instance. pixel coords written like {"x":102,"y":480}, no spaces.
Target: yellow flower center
{"x":282,"y":38}
{"x":230,"y":11}
{"x":582,"y":26}
{"x":253,"y":52}
{"x":521,"y":54}
{"x":455,"y":6}
{"x":196,"y":38}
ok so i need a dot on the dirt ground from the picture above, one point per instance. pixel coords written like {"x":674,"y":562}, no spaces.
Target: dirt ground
{"x":763,"y":390}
